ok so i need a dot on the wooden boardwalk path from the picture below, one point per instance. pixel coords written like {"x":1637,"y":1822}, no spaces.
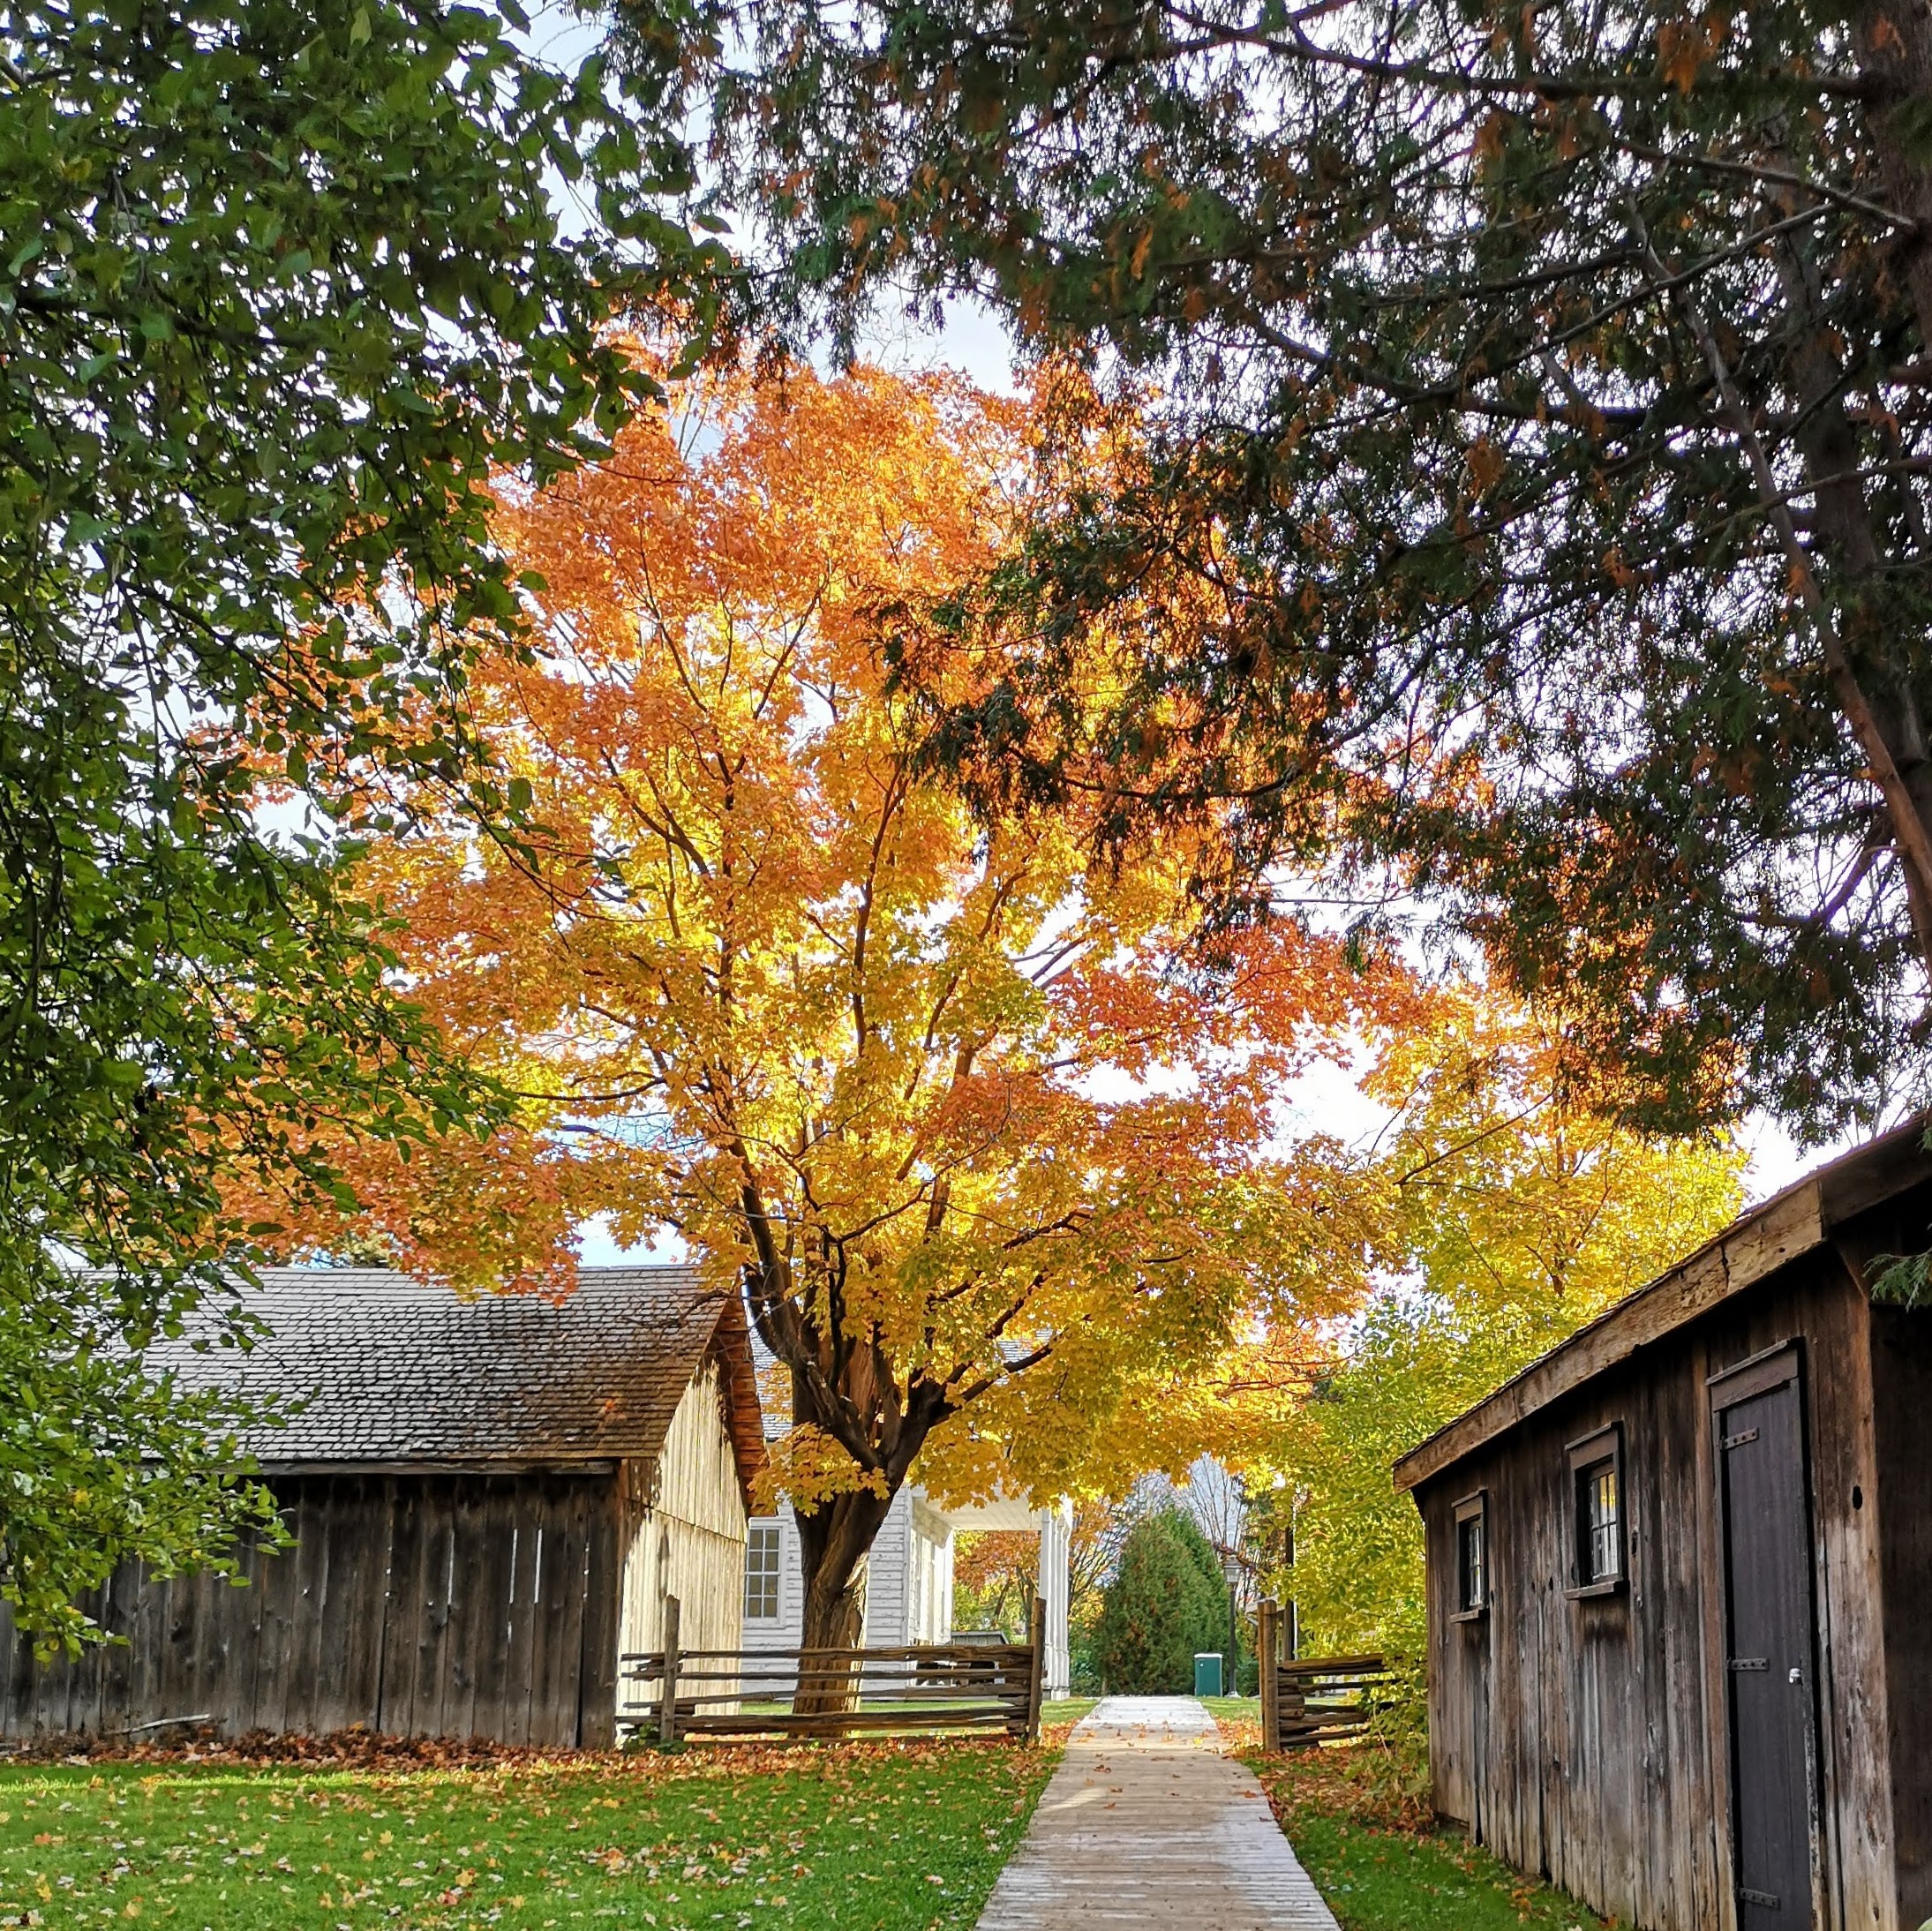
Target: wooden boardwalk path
{"x":1145,"y":1825}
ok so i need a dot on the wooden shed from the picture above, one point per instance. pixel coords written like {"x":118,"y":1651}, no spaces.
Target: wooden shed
{"x":489,"y":1499}
{"x":1680,"y":1582}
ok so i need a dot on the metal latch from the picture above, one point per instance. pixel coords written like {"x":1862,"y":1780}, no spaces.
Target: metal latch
{"x":1751,"y":1662}
{"x":1738,"y":1441}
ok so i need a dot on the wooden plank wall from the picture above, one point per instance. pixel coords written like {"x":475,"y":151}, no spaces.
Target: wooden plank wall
{"x":685,"y":1517}
{"x":1901,"y":1500}
{"x":1583,"y":1739}
{"x":451,"y":1605}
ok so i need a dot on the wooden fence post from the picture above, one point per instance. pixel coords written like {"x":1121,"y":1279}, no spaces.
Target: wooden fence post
{"x":1267,"y":1644}
{"x":1036,"y":1672}
{"x":667,"y":1711}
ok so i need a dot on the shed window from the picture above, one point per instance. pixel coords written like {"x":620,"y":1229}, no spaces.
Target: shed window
{"x":1603,"y":1527}
{"x":1471,"y":1557}
{"x":1597,"y":1472}
{"x":761,"y":1570}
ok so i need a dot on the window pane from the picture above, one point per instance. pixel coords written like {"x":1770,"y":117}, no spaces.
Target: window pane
{"x":1472,"y":1579}
{"x":761,"y":1570}
{"x":1602,"y":1540}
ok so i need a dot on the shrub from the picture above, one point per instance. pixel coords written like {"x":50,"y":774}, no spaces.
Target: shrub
{"x":1167,"y":1602}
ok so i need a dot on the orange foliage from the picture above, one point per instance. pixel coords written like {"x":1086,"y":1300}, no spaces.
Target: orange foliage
{"x":988,"y":1143}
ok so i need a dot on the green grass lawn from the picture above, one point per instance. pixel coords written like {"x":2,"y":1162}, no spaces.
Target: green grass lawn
{"x":862,"y":1837}
{"x":1065,"y":1710}
{"x":1225,"y":1710}
{"x":1384,"y":1864}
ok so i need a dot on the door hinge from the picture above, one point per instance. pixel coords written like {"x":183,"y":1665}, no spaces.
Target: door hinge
{"x":1738,"y":1441}
{"x":1751,"y":1662}
{"x":1768,"y":1899}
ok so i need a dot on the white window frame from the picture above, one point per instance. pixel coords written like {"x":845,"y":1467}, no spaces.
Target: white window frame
{"x":764,"y":1570}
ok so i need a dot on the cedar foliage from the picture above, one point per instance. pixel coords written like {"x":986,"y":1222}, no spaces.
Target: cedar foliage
{"x":1541,"y":393}
{"x":1167,"y":1602}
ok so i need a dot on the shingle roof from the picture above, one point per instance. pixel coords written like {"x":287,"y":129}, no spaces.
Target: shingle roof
{"x":389,"y":1370}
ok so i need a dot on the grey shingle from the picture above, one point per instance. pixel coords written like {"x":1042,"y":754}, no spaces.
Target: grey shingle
{"x":393,"y":1371}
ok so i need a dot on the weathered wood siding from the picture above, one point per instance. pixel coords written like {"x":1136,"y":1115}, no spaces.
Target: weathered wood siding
{"x":1900,"y":1499}
{"x":452,"y":1605}
{"x":685,"y":1516}
{"x":1585,"y":1740}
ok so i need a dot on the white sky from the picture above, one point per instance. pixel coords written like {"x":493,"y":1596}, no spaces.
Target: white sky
{"x":1325,"y":1097}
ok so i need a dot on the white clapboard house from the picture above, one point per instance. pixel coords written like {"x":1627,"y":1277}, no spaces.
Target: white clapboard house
{"x":909,"y":1579}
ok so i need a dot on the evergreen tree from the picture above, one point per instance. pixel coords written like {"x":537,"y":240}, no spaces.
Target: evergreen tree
{"x":1167,"y":1603}
{"x":1537,"y":440}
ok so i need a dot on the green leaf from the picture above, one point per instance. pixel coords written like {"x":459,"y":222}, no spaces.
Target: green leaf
{"x":232,"y":480}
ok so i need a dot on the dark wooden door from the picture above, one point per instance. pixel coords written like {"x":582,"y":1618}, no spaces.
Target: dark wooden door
{"x":1767,"y":1538}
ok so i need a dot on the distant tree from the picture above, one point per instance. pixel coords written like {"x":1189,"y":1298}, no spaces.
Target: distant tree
{"x":1514,"y":1213}
{"x":1541,"y":393}
{"x":1100,"y":1527}
{"x":284,"y":283}
{"x":995,"y":1573}
{"x":1167,"y":1603}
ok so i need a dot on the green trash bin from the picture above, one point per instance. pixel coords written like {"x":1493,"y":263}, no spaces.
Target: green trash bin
{"x":1207,"y":1672}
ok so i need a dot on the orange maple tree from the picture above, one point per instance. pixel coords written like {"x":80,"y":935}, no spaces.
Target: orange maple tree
{"x":986,"y":1140}
{"x":997,"y":1571}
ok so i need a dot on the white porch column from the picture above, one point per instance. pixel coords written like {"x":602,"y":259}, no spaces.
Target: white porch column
{"x":1056,"y":1544}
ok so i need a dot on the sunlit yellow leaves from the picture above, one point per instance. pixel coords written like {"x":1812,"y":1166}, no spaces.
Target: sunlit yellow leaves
{"x":1505,"y":1208}
{"x":805,"y":1465}
{"x":990,"y":1138}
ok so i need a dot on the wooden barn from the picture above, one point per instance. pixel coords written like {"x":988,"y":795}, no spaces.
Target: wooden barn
{"x":490,"y":1498}
{"x":1680,"y":1582}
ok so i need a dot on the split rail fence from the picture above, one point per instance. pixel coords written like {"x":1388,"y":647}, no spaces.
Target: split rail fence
{"x":1307,"y":1701}
{"x":986,"y":1687}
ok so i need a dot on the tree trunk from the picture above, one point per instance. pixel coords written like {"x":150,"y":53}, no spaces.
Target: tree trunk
{"x":1874,"y":688}
{"x":835,"y":1545}
{"x":846,"y":1388}
{"x":1895,"y":44}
